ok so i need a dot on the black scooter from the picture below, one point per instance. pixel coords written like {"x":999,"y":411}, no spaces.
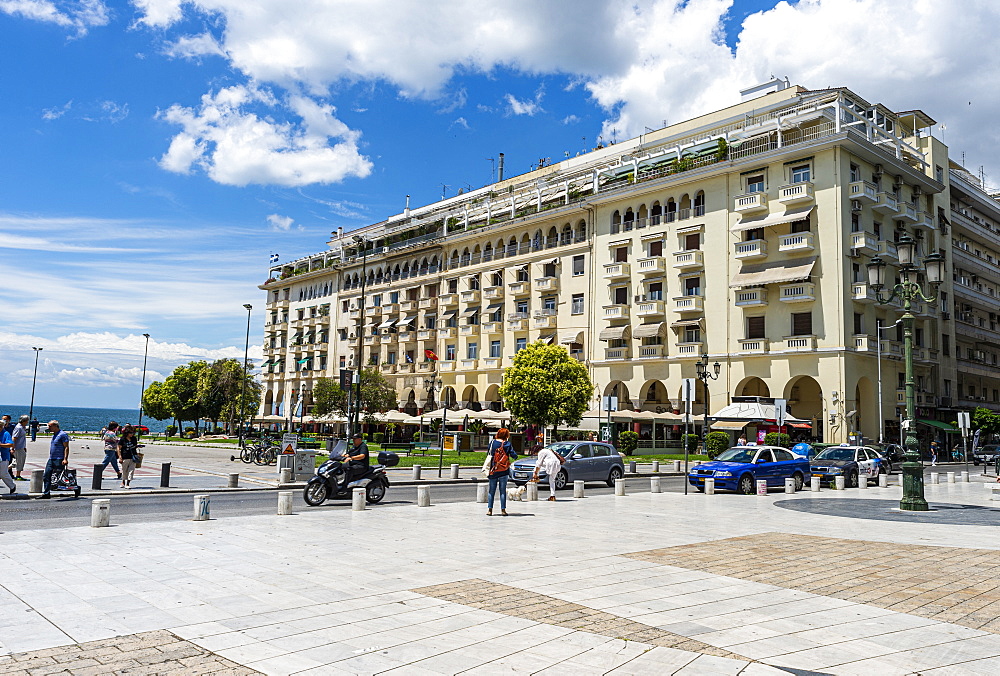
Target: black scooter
{"x":328,"y":482}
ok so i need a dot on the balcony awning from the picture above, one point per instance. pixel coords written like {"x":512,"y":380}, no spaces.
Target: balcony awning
{"x":449,"y":314}
{"x":615,"y":333}
{"x":686,"y":322}
{"x":650,"y":330}
{"x":494,"y":306}
{"x":387,"y":323}
{"x":407,"y":321}
{"x":938,"y":424}
{"x":754,"y":222}
{"x":470,"y":311}
{"x":548,"y":340}
{"x":778,"y":272}
{"x":570,"y":337}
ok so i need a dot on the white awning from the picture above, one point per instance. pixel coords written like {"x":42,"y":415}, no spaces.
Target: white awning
{"x":778,"y":272}
{"x":686,"y":322}
{"x":754,"y":222}
{"x":387,"y":323}
{"x":615,"y":333}
{"x":729,"y":424}
{"x":406,"y":321}
{"x":494,"y":306}
{"x":650,"y":330}
{"x":470,"y":310}
{"x":570,"y":337}
{"x":548,"y":340}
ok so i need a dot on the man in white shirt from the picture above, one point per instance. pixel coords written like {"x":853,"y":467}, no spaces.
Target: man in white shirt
{"x":20,"y":437}
{"x":551,"y":462}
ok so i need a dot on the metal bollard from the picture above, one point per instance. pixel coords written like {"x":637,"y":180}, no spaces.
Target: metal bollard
{"x":619,"y":486}
{"x":838,"y":482}
{"x":201,"y":507}
{"x":454,"y":470}
{"x":863,"y":481}
{"x":37,"y":476}
{"x":883,"y":480}
{"x":677,"y":465}
{"x":814,"y":484}
{"x":709,"y":486}
{"x":531,"y":491}
{"x":935,"y":478}
{"x":358,"y":500}
{"x":950,"y":476}
{"x":423,"y":496}
{"x":234,"y":480}
{"x":416,"y":472}
{"x":656,"y":467}
{"x":95,"y":483}
{"x":761,"y":486}
{"x":165,"y":475}
{"x":654,"y":485}
{"x":286,"y":475}
{"x":284,"y":503}
{"x":100,"y":513}
{"x":964,"y":478}
{"x":631,"y":467}
{"x":578,"y":489}
{"x":789,"y":485}
{"x":482,"y":492}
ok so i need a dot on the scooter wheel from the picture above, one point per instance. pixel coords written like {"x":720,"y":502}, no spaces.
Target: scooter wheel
{"x":315,"y":493}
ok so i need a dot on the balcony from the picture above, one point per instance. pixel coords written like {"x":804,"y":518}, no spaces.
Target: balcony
{"x":886,"y":204}
{"x":751,"y":298}
{"x":448,"y":300}
{"x":796,"y":193}
{"x":493,"y":327}
{"x":797,"y":293}
{"x":404,"y":368}
{"x":446,"y":365}
{"x":753,"y":346}
{"x":390,"y":309}
{"x":651,"y":351}
{"x":864,"y":192}
{"x":687,"y":260}
{"x":797,"y":241}
{"x":516,"y":316}
{"x":469,"y":330}
{"x":800,"y":343}
{"x":651,"y":266}
{"x":690,"y":350}
{"x":470,"y":297}
{"x":493,"y":363}
{"x":548,"y":322}
{"x":388,"y":338}
{"x":750,"y":249}
{"x":388,"y":368}
{"x":863,"y":243}
{"x":887,"y":250}
{"x":446,"y":332}
{"x":864,"y":343}
{"x":369,"y":340}
{"x":924,"y":220}
{"x":892,"y":349}
{"x":547,"y":284}
{"x":517,"y":324}
{"x":427,"y":303}
{"x":689,"y":304}
{"x":750,"y":203}
{"x":469,"y":364}
{"x":406,"y":336}
{"x":519,"y":288}
{"x":493,"y":292}
{"x":862,"y":293}
{"x":373,"y":311}
{"x":354,"y":314}
{"x":425,"y":367}
{"x":616,"y":353}
{"x":407,"y":306}
{"x":614,"y":271}
{"x":650,"y":308}
{"x":907,"y":212}
{"x":616,"y":311}
{"x":425,"y":334}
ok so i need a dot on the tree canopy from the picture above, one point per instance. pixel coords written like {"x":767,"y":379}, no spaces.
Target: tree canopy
{"x":377,"y":396}
{"x":985,"y":420}
{"x":546,"y":387}
{"x":199,"y":390}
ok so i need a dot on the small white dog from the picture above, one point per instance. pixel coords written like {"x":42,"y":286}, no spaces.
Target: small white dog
{"x":516,"y":493}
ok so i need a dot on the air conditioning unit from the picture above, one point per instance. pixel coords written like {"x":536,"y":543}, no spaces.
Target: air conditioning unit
{"x":353,"y":336}
{"x":917,"y":192}
{"x":878,"y":169}
{"x":855,"y":205}
{"x":898,"y":180}
{"x":640,"y":298}
{"x":945,"y":316}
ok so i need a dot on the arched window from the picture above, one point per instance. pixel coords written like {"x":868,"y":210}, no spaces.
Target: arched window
{"x":616,"y":222}
{"x":699,"y":203}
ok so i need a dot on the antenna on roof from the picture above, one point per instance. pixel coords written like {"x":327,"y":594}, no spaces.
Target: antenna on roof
{"x":493,"y":169}
{"x":444,"y":189}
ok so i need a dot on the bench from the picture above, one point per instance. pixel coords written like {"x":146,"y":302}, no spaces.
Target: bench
{"x":423,"y":447}
{"x":398,"y":447}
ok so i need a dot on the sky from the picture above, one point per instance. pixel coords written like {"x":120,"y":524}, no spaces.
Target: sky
{"x":154,"y":153}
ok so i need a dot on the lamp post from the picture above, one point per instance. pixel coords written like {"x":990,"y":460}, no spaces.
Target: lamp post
{"x":142,"y":389}
{"x":246,"y":370}
{"x":431,"y":384}
{"x":363,"y":244}
{"x":908,"y":290}
{"x":703,"y":374}
{"x":34,"y":377}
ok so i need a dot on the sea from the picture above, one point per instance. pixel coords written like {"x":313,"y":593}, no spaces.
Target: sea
{"x":78,"y":419}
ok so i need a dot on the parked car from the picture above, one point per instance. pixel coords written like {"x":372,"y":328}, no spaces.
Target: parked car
{"x":739,"y":468}
{"x":985,"y":454}
{"x":585,"y":461}
{"x":851,"y":462}
{"x":894,"y":453}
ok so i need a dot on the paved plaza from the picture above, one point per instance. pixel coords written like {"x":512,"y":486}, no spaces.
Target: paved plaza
{"x":637,"y":584}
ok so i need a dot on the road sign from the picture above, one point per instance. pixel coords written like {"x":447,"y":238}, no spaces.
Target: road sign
{"x":780,"y":411}
{"x":963,"y":422}
{"x":610,"y":403}
{"x":687,"y":394}
{"x":289,"y":443}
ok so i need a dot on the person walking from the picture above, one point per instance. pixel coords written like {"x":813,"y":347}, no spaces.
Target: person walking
{"x":934,"y":452}
{"x":550,"y":462}
{"x":500,"y":454}
{"x":6,"y":445}
{"x":58,"y":457}
{"x":110,"y":436}
{"x":128,"y":447}
{"x":20,"y":439}
{"x":34,"y":429}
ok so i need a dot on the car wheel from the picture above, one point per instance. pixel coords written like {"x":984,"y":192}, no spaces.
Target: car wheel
{"x":852,"y":479}
{"x":561,"y":480}
{"x":616,"y":473}
{"x":799,"y":481}
{"x":701,"y":488}
{"x":747,"y":485}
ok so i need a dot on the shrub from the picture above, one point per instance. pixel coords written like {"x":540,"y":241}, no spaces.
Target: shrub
{"x":378,"y":437}
{"x":777,"y":439}
{"x":171,"y":430}
{"x":716,"y":442}
{"x":627,"y":442}
{"x":691,"y":442}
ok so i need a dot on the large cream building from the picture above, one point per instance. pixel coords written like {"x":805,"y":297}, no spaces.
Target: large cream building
{"x":742,"y":234}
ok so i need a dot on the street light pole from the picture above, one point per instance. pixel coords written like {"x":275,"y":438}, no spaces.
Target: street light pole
{"x":701,"y":370}
{"x":360,"y":241}
{"x":34,"y":377}
{"x":246,"y":370}
{"x":142,"y":389}
{"x":908,"y":290}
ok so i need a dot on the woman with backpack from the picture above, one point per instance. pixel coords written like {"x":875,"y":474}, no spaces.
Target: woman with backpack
{"x":498,"y":459}
{"x":128,"y":449}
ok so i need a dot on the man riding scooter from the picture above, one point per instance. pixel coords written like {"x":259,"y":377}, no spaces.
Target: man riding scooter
{"x":355,"y":462}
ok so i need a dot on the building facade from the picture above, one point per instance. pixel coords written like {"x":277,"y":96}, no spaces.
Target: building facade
{"x":742,"y":234}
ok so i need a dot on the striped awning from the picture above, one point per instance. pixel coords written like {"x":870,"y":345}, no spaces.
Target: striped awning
{"x":754,"y":222}
{"x":650,"y":330}
{"x":570,"y":337}
{"x":615,"y":333}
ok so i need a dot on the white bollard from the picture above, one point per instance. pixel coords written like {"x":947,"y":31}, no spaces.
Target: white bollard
{"x":234,"y":480}
{"x":482,"y":492}
{"x":201,"y":507}
{"x":631,"y":467}
{"x":935,"y":478}
{"x":761,"y":487}
{"x":862,"y":481}
{"x":578,"y":489}
{"x":619,"y":486}
{"x":839,"y":482}
{"x":284,"y":503}
{"x":654,"y":485}
{"x":531,"y":491}
{"x":416,"y":472}
{"x":454,"y":470}
{"x":964,"y":477}
{"x":709,"y":486}
{"x":286,"y":475}
{"x":358,"y":500}
{"x":423,"y":496}
{"x":656,"y":467}
{"x":994,"y":493}
{"x":814,"y":484}
{"x":950,"y":477}
{"x":789,"y":485}
{"x":677,"y":465}
{"x":883,"y":480}
{"x":100,"y":513}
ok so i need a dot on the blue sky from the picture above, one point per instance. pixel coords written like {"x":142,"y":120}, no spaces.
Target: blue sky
{"x":155,"y":152}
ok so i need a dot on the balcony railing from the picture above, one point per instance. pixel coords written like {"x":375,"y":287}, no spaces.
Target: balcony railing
{"x":651,"y":266}
{"x":651,"y":351}
{"x":753,"y":346}
{"x":690,"y":349}
{"x":800,"y":343}
{"x":407,"y":305}
{"x":406,"y":336}
{"x":427,"y":303}
{"x":864,"y":343}
{"x":864,"y":191}
{"x":797,"y":293}
{"x":617,"y":270}
{"x":492,"y":362}
{"x":547,"y":284}
{"x":616,"y":353}
{"x":751,"y":298}
{"x":493,"y":292}
{"x":544,"y":322}
{"x":864,"y":243}
{"x":446,"y":332}
{"x":862,"y":293}
{"x":887,"y":249}
{"x":446,"y":365}
{"x":388,"y":338}
{"x":425,"y":366}
{"x":752,"y":248}
{"x":750,"y":202}
{"x":517,"y":325}
{"x":886,"y":204}
{"x":519,"y":288}
{"x":616,"y":311}
{"x":924,"y":220}
{"x":373,"y":310}
{"x":469,"y":330}
{"x":448,"y":300}
{"x":471,"y":296}
{"x":425,"y":334}
{"x":907,"y":212}
{"x":796,"y":193}
{"x":469,"y":364}
{"x":685,"y":260}
{"x":689,"y":304}
{"x":651,"y":308}
{"x":797,"y":241}
{"x":388,"y":368}
{"x":493,"y":327}
{"x":892,"y":348}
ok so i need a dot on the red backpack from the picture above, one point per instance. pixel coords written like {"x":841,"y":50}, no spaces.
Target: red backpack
{"x":501,"y":461}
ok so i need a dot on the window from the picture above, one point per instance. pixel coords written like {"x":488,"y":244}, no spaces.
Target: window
{"x":344,"y":307}
{"x":855,"y":173}
{"x":472,"y":351}
{"x":522,"y":306}
{"x":755,"y":183}
{"x":520,"y":344}
{"x":692,"y":242}
{"x":801,"y":173}
{"x":656,"y":248}
{"x":781,"y":455}
{"x":601,"y":450}
{"x":692,"y":286}
{"x":947,"y":388}
{"x":877,"y":228}
{"x":856,"y":273}
{"x":752,"y":234}
{"x":449,"y":353}
{"x":497,"y":279}
{"x":939,"y":173}
{"x":394,"y":296}
{"x":522,"y":275}
{"x":474,"y":282}
{"x":473,"y":319}
{"x":692,"y":334}
{"x":497,"y":315}
{"x":549,"y":303}
{"x":620,"y":295}
{"x":802,"y":324}
{"x":621,"y":254}
{"x":577,"y":266}
{"x":765,"y":456}
{"x":655,"y":291}
{"x":452,"y":286}
{"x":755,"y":328}
{"x":576,"y":306}
{"x":549,"y":269}
{"x":855,"y":223}
{"x":972,"y":391}
{"x":946,"y":344}
{"x":430,"y":321}
{"x":859,"y":323}
{"x":495,"y":349}
{"x":390,"y":358}
{"x":918,"y":337}
{"x":800,"y":226}
{"x":342,"y":332}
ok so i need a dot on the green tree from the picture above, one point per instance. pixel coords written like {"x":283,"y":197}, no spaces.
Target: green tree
{"x":226,"y":392}
{"x":716,"y":442}
{"x":985,"y":420}
{"x":154,"y":402}
{"x":777,"y":439}
{"x":328,"y":397}
{"x":627,"y":442}
{"x":181,"y":392}
{"x":546,"y":387}
{"x":377,"y":395}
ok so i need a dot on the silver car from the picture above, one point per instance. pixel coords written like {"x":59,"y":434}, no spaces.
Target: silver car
{"x":585,"y":461}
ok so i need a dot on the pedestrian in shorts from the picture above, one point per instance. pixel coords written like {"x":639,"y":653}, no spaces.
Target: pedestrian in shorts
{"x":20,"y":439}
{"x":110,"y":436}
{"x":6,"y":444}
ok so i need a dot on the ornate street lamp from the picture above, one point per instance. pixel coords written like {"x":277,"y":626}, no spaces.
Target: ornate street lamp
{"x":701,"y":371}
{"x":908,"y":290}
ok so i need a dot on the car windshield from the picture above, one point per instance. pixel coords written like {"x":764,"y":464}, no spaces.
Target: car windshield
{"x":563,"y":449}
{"x":836,"y":454}
{"x":738,"y":454}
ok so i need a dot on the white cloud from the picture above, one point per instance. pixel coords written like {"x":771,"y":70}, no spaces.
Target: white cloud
{"x":80,"y":15}
{"x":110,"y":343}
{"x":56,"y":112}
{"x":280,"y":223}
{"x":459,"y":122}
{"x":527,"y":107}
{"x":570,"y":119}
{"x":235,"y":146}
{"x":158,"y":13}
{"x":194,"y":46}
